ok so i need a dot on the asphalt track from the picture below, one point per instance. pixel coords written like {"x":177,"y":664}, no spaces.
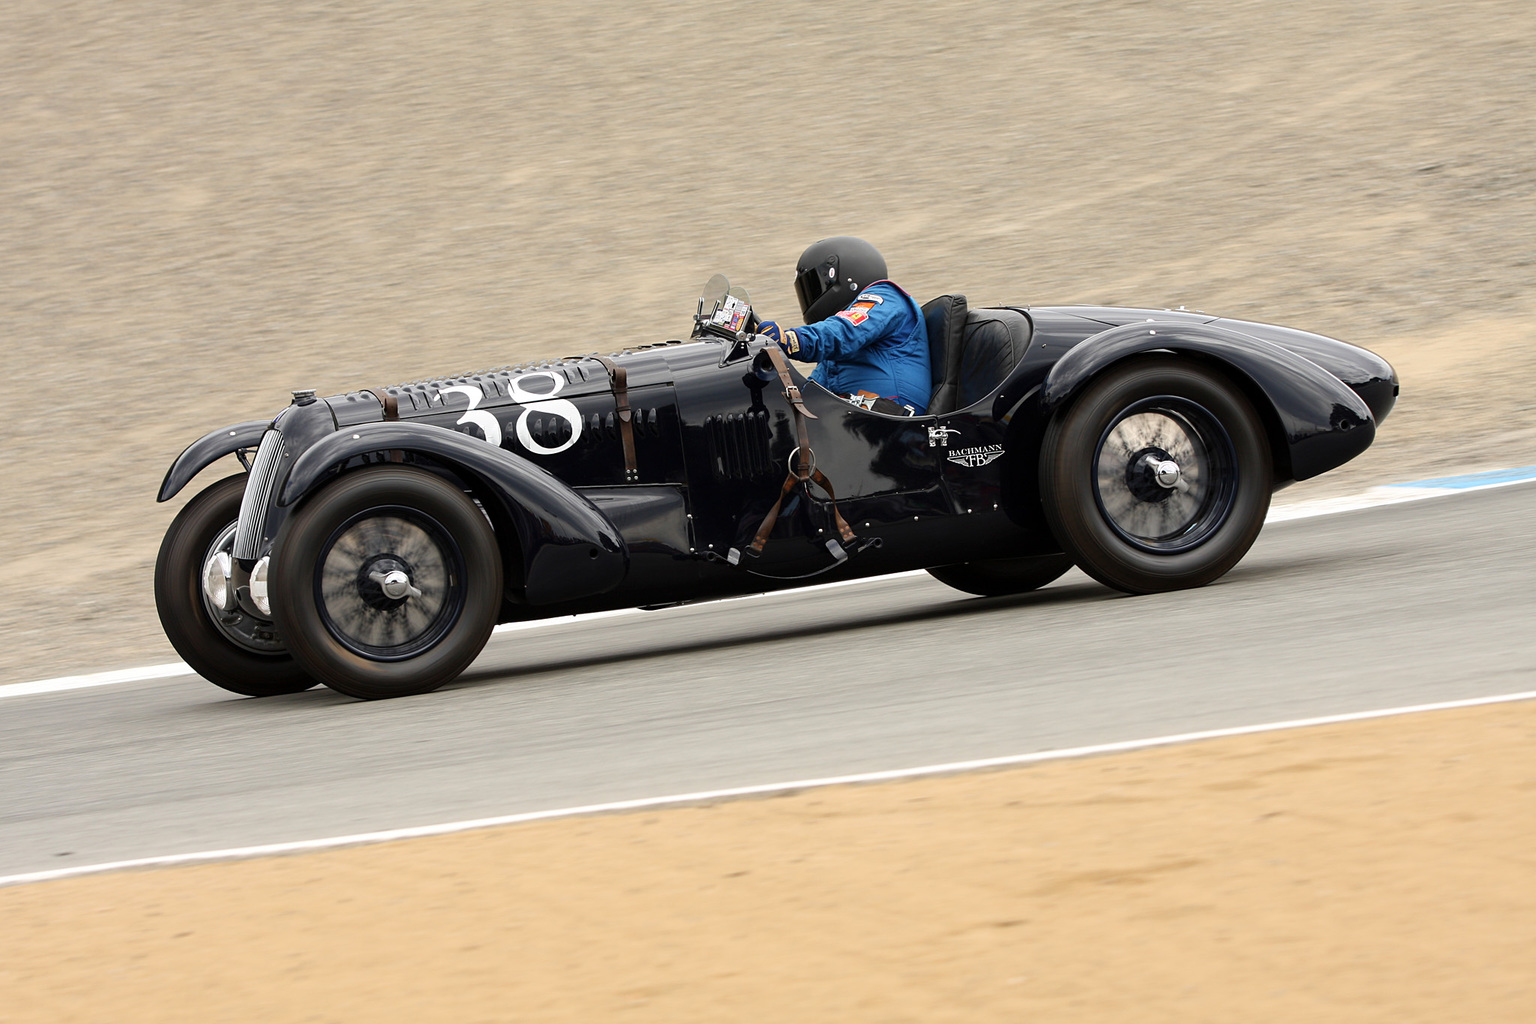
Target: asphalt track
{"x":1403,"y":604}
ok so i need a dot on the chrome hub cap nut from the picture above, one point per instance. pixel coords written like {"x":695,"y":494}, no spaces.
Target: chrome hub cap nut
{"x":395,"y":584}
{"x":1166,"y":473}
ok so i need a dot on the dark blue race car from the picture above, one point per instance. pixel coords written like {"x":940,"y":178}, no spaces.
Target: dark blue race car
{"x":375,"y":538}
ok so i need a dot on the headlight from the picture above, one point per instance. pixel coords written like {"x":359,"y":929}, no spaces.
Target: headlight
{"x":216,"y":581}
{"x":259,"y":587}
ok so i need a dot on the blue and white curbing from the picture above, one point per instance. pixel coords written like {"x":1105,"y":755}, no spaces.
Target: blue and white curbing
{"x":1394,"y":494}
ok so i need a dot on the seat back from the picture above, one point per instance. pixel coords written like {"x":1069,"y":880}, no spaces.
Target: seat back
{"x":945,"y":319}
{"x":992,"y":342}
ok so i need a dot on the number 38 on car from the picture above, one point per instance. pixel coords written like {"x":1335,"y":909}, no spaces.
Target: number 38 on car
{"x":375,"y":538}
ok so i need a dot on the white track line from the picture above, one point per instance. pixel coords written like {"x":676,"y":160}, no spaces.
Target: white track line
{"x":447,"y":828}
{"x":1390,"y":494}
{"x":122,"y":675}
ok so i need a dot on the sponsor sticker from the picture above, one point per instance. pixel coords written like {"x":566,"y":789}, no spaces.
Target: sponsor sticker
{"x":732,"y":314}
{"x":981,"y":455}
{"x":858,"y":312}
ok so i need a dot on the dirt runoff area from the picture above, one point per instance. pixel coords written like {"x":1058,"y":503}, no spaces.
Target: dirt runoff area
{"x":1376,"y":871}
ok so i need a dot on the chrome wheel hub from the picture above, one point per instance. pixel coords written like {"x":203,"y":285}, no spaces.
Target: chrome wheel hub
{"x":389,"y":586}
{"x":394,"y":584}
{"x":1164,"y":474}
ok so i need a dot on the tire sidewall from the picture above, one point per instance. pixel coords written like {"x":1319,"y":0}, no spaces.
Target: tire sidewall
{"x":1070,"y":494}
{"x":184,"y":615}
{"x":300,"y":546}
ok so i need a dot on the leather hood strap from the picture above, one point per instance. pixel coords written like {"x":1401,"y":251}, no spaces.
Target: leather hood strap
{"x":620,"y":377}
{"x":389,"y":402}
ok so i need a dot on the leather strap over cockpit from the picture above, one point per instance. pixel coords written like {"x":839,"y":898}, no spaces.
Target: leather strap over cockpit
{"x":804,"y":470}
{"x":791,"y":390}
{"x":620,"y":378}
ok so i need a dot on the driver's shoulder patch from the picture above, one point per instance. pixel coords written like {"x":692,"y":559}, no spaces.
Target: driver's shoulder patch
{"x":859,"y":312}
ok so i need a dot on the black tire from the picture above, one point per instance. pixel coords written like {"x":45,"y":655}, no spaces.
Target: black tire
{"x":1101,"y":461}
{"x":998,"y":576}
{"x":234,"y":650}
{"x":344,"y":561}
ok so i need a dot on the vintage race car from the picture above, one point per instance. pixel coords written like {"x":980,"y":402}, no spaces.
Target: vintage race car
{"x":375,"y":538}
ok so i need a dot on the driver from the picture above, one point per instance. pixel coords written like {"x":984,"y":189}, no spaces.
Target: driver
{"x":865,"y":333}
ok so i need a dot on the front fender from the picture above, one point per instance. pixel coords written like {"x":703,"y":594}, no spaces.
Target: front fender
{"x":1323,"y":424}
{"x":207,"y":450}
{"x":570,"y":549}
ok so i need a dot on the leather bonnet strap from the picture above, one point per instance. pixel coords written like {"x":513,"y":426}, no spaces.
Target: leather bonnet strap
{"x":620,"y":377}
{"x":389,"y":402}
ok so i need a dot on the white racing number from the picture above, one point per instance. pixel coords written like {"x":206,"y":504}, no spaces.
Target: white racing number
{"x":542,"y":402}
{"x":484,"y":420}
{"x":545,"y":404}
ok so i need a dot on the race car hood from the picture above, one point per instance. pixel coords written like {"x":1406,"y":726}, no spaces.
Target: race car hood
{"x":572,"y":377}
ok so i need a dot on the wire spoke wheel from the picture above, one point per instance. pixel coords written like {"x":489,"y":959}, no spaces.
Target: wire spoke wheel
{"x":390,"y":583}
{"x":1165,"y":474}
{"x":1157,"y":477}
{"x":387,"y":582}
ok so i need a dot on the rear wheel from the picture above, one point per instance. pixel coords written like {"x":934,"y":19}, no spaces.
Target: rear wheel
{"x":1158,"y":477}
{"x":223,"y":642}
{"x":387,"y":582}
{"x":998,"y":576}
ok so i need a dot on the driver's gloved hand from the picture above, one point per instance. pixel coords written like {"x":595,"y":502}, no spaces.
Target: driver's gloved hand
{"x":786,"y":339}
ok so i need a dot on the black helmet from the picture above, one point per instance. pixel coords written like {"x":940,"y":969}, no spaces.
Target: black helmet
{"x":831,"y":272}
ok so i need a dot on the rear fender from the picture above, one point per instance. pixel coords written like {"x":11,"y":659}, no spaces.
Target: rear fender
{"x":569,"y":549}
{"x":207,"y":450}
{"x":1319,"y":422}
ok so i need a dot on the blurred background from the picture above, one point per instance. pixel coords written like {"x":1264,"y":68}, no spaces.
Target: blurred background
{"x":205,"y":205}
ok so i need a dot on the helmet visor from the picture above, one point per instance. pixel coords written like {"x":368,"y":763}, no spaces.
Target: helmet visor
{"x":813,"y":282}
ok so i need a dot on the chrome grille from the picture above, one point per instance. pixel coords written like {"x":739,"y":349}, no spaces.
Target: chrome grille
{"x":258,"y":495}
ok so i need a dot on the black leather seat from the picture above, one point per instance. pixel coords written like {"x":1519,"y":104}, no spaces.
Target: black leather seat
{"x":945,"y":319}
{"x":991,"y":345}
{"x":970,"y":351}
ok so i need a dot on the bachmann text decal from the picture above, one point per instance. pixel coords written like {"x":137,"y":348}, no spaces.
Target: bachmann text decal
{"x":978,"y":456}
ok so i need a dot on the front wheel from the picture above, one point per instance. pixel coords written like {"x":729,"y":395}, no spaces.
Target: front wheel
{"x":222,"y":641}
{"x":387,"y":582}
{"x":1158,"y":477}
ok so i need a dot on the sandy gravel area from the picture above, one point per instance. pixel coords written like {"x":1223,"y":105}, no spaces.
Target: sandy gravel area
{"x":1380,"y":871}
{"x":203,"y":206}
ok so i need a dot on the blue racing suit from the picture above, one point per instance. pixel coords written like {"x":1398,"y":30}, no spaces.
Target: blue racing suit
{"x":878,"y":345}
